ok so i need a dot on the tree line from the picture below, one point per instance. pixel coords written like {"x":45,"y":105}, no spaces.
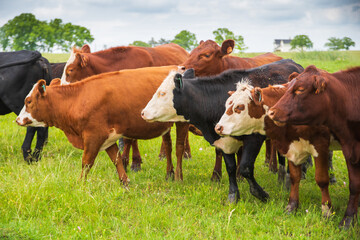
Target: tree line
{"x":27,"y":32}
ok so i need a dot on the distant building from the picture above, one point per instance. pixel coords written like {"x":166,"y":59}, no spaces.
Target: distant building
{"x":282,"y":45}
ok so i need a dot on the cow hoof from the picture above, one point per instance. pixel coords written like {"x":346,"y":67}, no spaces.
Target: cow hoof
{"x":216,"y":177}
{"x":233,"y":197}
{"x":332,"y":178}
{"x":346,"y":222}
{"x":260,"y":194}
{"x":135,"y":167}
{"x":292,"y":207}
{"x":162,"y":156}
{"x":187,"y":155}
{"x":170,"y":175}
{"x":326,"y":211}
{"x":36,"y":155}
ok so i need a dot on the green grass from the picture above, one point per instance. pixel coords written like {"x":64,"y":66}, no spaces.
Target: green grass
{"x":45,"y":200}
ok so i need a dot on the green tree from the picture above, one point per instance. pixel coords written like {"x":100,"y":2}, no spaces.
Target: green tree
{"x":186,"y":40}
{"x":221,"y":34}
{"x":140,"y":44}
{"x":347,"y":43}
{"x":301,"y":41}
{"x":26,"y":32}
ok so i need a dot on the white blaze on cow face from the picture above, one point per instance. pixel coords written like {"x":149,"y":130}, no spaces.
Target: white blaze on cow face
{"x":69,"y":61}
{"x":236,"y":120}
{"x":25,"y":118}
{"x":161,"y":107}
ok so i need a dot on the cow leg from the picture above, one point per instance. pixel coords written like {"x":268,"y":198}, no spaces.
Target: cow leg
{"x":91,"y":150}
{"x":41,"y":139}
{"x":322,"y":180}
{"x":187,"y":150}
{"x":125,"y":155}
{"x":230,"y":164}
{"x":136,"y":158}
{"x":162,"y":153}
{"x":282,"y":169}
{"x":113,"y":152}
{"x":182,"y":130}
{"x":26,"y":146}
{"x":273,"y":161}
{"x":268,"y":151}
{"x":331,"y":168}
{"x":295,"y":177}
{"x":251,"y":148}
{"x":239,"y":177}
{"x":217,"y":173}
{"x":166,"y":139}
{"x":350,"y":217}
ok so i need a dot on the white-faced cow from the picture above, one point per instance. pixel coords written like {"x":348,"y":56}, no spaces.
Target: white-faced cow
{"x":19,"y":71}
{"x":319,"y":98}
{"x":83,"y":63}
{"x":245,"y":114}
{"x":201,"y":102}
{"x":97,"y":111}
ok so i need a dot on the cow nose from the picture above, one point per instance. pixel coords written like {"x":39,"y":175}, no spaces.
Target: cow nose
{"x":142,"y":114}
{"x":219,"y":129}
{"x":271,"y":113}
{"x":181,"y":69}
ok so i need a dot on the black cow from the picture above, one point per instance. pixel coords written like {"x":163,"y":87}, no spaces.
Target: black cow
{"x":18,"y":73}
{"x":201,"y":101}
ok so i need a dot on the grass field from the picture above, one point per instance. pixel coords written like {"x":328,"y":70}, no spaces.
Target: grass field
{"x":45,"y":200}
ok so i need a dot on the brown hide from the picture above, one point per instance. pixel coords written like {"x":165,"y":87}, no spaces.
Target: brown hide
{"x":211,"y":59}
{"x":101,"y":104}
{"x":87,"y":64}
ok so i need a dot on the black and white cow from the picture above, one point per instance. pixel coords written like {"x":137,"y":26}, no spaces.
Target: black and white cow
{"x":19,"y":71}
{"x":201,"y":101}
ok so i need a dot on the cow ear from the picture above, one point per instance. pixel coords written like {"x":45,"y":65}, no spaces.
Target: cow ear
{"x":256,"y":94}
{"x":41,"y":85}
{"x":189,"y":73}
{"x":230,"y":93}
{"x":83,"y":59}
{"x":86,"y":49}
{"x":178,"y":81}
{"x":319,"y":84}
{"x":201,"y":42}
{"x":55,"y":82}
{"x":227,"y":47}
{"x":293,"y":75}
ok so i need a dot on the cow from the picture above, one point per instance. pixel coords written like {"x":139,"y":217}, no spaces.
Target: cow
{"x":317,"y":97}
{"x":210,"y":59}
{"x":96,"y":112}
{"x":19,"y":71}
{"x":245,"y":114}
{"x":82,"y":63}
{"x":201,"y":102}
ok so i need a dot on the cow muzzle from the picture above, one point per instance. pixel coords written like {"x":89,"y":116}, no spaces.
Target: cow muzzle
{"x":23,"y":121}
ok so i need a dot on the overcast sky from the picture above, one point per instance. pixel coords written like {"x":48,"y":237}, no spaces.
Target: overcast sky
{"x":120,"y":22}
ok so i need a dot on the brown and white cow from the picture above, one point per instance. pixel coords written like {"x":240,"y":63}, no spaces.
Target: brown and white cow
{"x":82,"y":63}
{"x":317,"y":97}
{"x":245,"y":114}
{"x":209,"y":59}
{"x":97,"y":111}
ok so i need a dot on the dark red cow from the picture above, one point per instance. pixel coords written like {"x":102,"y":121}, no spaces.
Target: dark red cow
{"x":317,"y":97}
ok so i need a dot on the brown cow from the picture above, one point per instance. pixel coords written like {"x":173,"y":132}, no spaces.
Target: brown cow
{"x":82,"y":63}
{"x":246,"y":114}
{"x":210,"y":59}
{"x":97,"y":111}
{"x":318,"y":97}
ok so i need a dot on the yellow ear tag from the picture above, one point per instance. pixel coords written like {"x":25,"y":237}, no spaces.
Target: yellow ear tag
{"x":229,"y":50}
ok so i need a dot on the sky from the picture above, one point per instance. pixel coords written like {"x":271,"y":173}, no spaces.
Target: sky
{"x":120,"y":22}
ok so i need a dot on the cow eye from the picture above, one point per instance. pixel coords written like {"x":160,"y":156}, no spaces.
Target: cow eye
{"x":162,"y":94}
{"x":299,"y":90}
{"x":28,"y":101}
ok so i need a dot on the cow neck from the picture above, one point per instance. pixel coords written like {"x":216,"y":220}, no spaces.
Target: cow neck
{"x":233,"y":62}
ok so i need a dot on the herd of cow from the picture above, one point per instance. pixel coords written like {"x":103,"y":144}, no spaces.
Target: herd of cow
{"x":234,"y":103}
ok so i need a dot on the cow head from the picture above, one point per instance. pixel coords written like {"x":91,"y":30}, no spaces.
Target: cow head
{"x":161,"y":107}
{"x":242,"y":116}
{"x":207,"y":58}
{"x":29,"y":115}
{"x":78,"y":60}
{"x":305,"y":101}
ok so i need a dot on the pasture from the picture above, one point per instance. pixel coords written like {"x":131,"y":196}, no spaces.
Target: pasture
{"x":45,"y":200}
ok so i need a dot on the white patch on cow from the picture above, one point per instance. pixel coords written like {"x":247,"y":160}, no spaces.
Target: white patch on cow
{"x":238,"y":124}
{"x":278,"y":86}
{"x":300,"y":150}
{"x":69,"y":61}
{"x":26,"y":115}
{"x":161,"y":107}
{"x":228,"y":145}
{"x":112,"y":138}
